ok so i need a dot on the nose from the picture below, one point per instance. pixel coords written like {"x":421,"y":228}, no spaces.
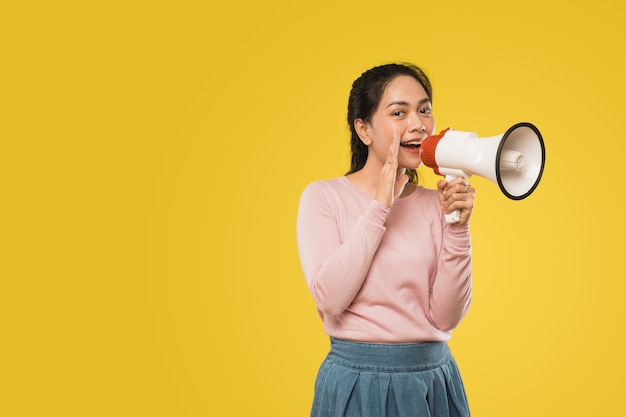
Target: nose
{"x":416,"y":124}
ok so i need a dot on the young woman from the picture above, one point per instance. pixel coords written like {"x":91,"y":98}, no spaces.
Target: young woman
{"x":390,"y":277}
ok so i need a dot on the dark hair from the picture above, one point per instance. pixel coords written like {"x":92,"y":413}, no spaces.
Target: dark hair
{"x":366,"y":93}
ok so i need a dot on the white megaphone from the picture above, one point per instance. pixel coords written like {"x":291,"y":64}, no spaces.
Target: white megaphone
{"x":513,"y":160}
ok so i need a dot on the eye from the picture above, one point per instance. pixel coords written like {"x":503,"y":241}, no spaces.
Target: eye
{"x":426,"y":111}
{"x":398,"y":113}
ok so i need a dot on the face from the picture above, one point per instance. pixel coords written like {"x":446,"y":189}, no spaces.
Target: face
{"x":405,"y":108}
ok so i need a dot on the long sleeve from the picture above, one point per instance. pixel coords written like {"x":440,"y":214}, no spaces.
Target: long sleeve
{"x":451,"y":291}
{"x":380,"y":274}
{"x":335,"y":265}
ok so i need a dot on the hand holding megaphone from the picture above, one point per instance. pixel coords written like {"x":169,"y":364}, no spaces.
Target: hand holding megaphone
{"x":513,"y":160}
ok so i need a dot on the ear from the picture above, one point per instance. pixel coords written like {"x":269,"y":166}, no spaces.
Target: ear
{"x":362,"y":129}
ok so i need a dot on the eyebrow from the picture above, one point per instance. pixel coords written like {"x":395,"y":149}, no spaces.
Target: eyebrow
{"x":404,"y":103}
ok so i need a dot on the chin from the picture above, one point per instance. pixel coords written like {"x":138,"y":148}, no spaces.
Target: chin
{"x":410,"y":164}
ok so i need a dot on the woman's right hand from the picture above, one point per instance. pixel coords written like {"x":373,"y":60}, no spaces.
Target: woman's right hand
{"x":392,"y":179}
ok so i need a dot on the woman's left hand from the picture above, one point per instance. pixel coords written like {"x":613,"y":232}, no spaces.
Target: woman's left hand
{"x":457,"y":194}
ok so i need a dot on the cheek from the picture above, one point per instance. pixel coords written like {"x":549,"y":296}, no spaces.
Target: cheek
{"x":431,"y":127}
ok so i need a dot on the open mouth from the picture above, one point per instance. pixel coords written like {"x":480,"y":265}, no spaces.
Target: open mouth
{"x":411,"y":145}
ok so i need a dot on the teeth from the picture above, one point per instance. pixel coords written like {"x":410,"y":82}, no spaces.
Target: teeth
{"x":412,"y":143}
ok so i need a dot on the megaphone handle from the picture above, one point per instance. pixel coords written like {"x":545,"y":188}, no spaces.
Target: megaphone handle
{"x":455,"y":216}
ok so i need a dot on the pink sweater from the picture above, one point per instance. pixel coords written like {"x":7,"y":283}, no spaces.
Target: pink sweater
{"x":380,"y":274}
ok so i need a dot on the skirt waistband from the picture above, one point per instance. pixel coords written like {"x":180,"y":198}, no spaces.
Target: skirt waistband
{"x":388,"y":357}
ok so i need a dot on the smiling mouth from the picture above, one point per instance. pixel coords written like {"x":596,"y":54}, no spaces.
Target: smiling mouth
{"x":411,"y":145}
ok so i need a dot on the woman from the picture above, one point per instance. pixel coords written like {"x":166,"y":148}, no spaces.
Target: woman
{"x":389,"y":276}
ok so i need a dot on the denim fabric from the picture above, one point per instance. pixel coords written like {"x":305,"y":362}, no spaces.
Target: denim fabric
{"x":360,"y":379}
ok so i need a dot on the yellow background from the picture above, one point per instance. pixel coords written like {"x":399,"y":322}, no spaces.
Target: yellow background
{"x":152,"y":157}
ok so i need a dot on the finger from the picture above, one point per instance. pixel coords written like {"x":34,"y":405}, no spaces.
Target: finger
{"x":402,"y":180}
{"x":441,"y":186}
{"x":392,"y":156}
{"x":453,"y":205}
{"x":464,"y":188}
{"x":458,"y":188}
{"x":456,"y":198}
{"x":461,"y":200}
{"x":396,"y":141}
{"x":394,"y":148}
{"x":457,"y":185}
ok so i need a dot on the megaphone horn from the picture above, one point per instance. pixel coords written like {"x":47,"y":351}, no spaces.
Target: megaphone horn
{"x":514,"y":160}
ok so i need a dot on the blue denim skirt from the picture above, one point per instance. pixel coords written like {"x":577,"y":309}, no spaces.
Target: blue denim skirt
{"x":359,"y":379}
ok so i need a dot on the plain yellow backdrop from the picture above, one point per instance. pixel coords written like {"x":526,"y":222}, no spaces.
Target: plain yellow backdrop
{"x":152,"y":157}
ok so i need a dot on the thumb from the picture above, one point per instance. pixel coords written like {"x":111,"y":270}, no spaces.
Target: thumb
{"x":401,"y":181}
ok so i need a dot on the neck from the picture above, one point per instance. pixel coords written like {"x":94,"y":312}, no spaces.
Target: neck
{"x":368,"y":178}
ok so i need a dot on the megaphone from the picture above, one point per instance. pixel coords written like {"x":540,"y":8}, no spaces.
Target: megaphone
{"x":514,"y":160}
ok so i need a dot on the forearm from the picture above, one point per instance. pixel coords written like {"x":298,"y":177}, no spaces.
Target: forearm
{"x":451,"y":291}
{"x":335,"y":267}
{"x":338,"y":280}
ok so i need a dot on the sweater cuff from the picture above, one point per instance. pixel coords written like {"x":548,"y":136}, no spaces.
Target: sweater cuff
{"x":458,"y":235}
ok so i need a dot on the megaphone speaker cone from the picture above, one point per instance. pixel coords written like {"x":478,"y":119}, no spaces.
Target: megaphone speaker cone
{"x":520,"y":160}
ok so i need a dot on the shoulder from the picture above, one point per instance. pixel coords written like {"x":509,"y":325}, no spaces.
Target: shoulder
{"x":322,"y":197}
{"x":324,"y":188}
